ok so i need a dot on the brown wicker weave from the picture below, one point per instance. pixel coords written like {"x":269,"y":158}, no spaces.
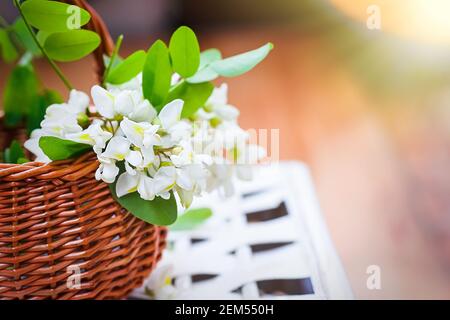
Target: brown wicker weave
{"x":57,"y":219}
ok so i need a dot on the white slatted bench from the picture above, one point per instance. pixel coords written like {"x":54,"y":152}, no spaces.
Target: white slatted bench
{"x":268,"y":241}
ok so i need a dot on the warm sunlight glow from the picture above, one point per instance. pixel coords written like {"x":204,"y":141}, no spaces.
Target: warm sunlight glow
{"x":423,"y":20}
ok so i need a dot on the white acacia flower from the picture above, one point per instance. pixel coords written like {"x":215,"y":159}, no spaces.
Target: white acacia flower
{"x":187,"y":181}
{"x":162,"y":154}
{"x":128,"y":103}
{"x":176,"y":129}
{"x":107,"y":171}
{"x":118,"y":149}
{"x":93,"y":135}
{"x":78,"y":102}
{"x":143,"y":135}
{"x":160,"y":285}
{"x":142,"y":111}
{"x":221,"y":177}
{"x":190,"y":180}
{"x":140,"y":182}
{"x":188,"y":156}
{"x":60,"y":121}
{"x":164,"y":180}
{"x":129,"y":183}
{"x":186,"y":196}
{"x":134,"y":160}
{"x":32,"y":145}
{"x":191,"y":172}
{"x":64,"y":115}
{"x":147,"y":187}
{"x":217,"y":106}
{"x":230,"y":134}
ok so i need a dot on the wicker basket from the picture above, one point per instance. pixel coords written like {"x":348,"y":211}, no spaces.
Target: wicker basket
{"x":62,"y":235}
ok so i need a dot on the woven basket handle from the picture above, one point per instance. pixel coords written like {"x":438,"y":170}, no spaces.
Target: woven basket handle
{"x":97,"y":25}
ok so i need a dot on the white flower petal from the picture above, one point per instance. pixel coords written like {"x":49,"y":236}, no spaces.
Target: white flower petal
{"x":150,"y":136}
{"x":107,"y":172}
{"x":171,"y":113}
{"x":134,"y":157}
{"x":219,"y":95}
{"x":149,"y":155}
{"x":180,"y":131}
{"x":56,"y":110}
{"x":146,"y":188}
{"x":81,"y":137}
{"x":186,"y":197}
{"x":78,"y":101}
{"x":104,"y":101}
{"x":99,"y":135}
{"x":98,"y":173}
{"x":133,"y":131}
{"x":165,"y":179}
{"x":184,"y":180}
{"x":158,"y":278}
{"x":129,"y":169}
{"x":117,"y":148}
{"x":143,"y":112}
{"x":226,"y":112}
{"x":124,"y":103}
{"x":33,"y":146}
{"x":126,"y":184}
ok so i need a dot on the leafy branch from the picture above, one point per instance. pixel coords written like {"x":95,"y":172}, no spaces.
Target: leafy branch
{"x":44,"y":53}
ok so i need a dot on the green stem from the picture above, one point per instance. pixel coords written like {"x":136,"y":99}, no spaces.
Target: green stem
{"x":113,"y":57}
{"x":50,"y":61}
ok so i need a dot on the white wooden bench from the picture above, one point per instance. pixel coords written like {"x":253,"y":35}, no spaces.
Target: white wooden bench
{"x":269,"y":241}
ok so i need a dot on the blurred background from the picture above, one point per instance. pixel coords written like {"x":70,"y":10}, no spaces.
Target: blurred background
{"x":367,"y":108}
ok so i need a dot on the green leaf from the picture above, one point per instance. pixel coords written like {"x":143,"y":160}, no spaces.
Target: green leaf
{"x":41,"y":36}
{"x":71,"y":45}
{"x":157,"y":74}
{"x":241,"y":63}
{"x":208,"y":56}
{"x":205,"y":73}
{"x":128,"y":68}
{"x":37,"y":112}
{"x":184,"y":51}
{"x":13,"y":153}
{"x":25,"y":38}
{"x":61,"y":149}
{"x":9,"y":52}
{"x":158,"y":211}
{"x":191,"y":219}
{"x":20,"y":94}
{"x":54,"y":16}
{"x":193,"y":95}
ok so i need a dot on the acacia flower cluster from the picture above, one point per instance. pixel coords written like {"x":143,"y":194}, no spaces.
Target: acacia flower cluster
{"x":149,"y":152}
